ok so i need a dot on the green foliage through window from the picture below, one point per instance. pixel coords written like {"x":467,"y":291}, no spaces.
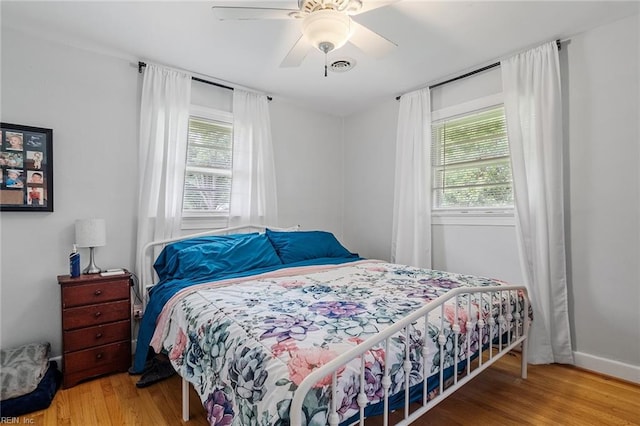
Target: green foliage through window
{"x":470,"y":159}
{"x":207,"y":183}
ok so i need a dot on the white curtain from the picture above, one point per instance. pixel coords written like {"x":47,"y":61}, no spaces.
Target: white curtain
{"x":533,"y":108}
{"x":411,"y":244}
{"x":164,"y":125}
{"x":253,"y":188}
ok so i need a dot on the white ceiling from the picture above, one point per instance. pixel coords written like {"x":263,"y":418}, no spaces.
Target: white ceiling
{"x":436,"y":39}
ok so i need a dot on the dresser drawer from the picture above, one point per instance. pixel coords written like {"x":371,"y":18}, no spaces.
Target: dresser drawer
{"x":88,"y":294}
{"x":98,"y":357}
{"x":89,"y":337}
{"x":91,"y":315}
{"x":96,"y":326}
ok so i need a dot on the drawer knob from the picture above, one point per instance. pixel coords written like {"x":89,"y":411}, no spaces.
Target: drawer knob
{"x":99,"y":355}
{"x":98,"y":335}
{"x":97,"y":292}
{"x":97,"y":314}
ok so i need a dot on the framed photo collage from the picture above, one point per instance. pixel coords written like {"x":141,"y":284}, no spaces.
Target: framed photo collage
{"x":26,"y":166}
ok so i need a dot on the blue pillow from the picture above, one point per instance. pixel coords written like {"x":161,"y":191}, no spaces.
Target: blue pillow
{"x":296,"y":246}
{"x":217,"y":256}
{"x":165,"y":264}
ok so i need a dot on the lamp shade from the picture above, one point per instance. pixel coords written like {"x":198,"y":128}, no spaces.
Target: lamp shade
{"x":91,"y":233}
{"x":327,"y":26}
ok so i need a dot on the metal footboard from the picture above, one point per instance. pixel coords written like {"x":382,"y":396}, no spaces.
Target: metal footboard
{"x":513,"y":328}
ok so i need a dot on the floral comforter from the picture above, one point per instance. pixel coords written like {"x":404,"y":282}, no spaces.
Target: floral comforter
{"x":247,"y":344}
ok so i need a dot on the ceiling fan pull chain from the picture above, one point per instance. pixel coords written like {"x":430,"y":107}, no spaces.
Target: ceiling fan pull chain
{"x":325,"y":64}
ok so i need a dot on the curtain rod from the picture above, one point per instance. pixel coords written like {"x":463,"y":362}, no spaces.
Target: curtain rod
{"x":213,"y":83}
{"x":470,"y":73}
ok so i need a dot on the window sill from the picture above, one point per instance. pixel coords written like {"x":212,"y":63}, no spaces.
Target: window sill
{"x":494,"y":217}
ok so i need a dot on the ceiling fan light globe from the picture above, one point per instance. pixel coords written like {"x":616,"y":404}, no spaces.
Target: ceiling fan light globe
{"x":327,"y":26}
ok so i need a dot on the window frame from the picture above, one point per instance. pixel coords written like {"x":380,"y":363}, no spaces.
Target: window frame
{"x":501,"y":216}
{"x":191,"y":220}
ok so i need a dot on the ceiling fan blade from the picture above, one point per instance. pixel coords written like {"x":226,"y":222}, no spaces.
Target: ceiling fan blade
{"x":297,"y":54}
{"x":373,"y":4}
{"x":225,"y":13}
{"x":369,"y":42}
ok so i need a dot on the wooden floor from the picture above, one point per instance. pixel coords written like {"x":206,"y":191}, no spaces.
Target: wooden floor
{"x":552,"y":395}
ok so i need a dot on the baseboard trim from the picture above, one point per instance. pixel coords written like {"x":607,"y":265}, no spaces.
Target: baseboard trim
{"x":620,"y":370}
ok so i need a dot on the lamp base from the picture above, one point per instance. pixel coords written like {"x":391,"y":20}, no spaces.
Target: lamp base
{"x":91,"y":268}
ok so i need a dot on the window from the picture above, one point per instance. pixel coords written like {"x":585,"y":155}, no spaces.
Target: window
{"x":208,"y":172}
{"x":470,"y":161}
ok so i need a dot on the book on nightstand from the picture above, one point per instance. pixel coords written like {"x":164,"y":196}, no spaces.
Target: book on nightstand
{"x":111,"y":272}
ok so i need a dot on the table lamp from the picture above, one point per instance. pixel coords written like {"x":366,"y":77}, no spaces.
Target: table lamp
{"x":91,"y":233}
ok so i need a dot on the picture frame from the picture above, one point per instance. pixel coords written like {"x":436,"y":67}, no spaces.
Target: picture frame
{"x":26,"y":168}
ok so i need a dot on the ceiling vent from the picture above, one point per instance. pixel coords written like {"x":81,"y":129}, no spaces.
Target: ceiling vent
{"x":342,"y":65}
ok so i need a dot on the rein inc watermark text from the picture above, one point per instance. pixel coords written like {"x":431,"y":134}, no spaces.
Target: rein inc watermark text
{"x":16,"y":421}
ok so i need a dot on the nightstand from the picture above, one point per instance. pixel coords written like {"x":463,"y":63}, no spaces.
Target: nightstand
{"x":96,"y":326}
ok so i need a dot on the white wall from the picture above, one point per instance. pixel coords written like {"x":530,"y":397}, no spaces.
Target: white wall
{"x":601,"y":95}
{"x":309,"y":161}
{"x":477,"y":249}
{"x":603,"y":92}
{"x":91,"y":101}
{"x":369,"y":152}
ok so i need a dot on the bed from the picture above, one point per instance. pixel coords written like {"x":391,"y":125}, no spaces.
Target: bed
{"x":279,"y":327}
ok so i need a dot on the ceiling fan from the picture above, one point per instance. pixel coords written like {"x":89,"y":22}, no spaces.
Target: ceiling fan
{"x":327,"y":25}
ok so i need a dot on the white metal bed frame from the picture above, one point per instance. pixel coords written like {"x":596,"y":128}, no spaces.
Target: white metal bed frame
{"x":513,"y":324}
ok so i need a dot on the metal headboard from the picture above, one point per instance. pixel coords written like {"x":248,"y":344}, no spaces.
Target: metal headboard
{"x":147,"y":254}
